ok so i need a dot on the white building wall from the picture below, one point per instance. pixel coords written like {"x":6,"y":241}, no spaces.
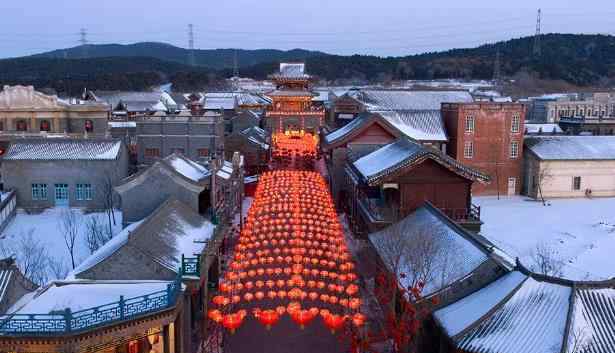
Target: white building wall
{"x":558,"y":178}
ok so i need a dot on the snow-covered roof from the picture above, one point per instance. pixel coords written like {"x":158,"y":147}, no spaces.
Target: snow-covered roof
{"x":453,"y":253}
{"x":60,"y":149}
{"x":377,"y":100}
{"x":404,"y":153}
{"x":519,"y":314}
{"x":220,"y":101}
{"x":187,"y":167}
{"x":292,"y":71}
{"x":290,"y":93}
{"x":257,"y":136}
{"x":422,"y":125}
{"x":592,"y":325}
{"x":171,"y":231}
{"x":545,"y":128}
{"x":122,"y":124}
{"x":80,"y":295}
{"x":347,"y":129}
{"x":572,"y":147}
{"x":108,"y":249}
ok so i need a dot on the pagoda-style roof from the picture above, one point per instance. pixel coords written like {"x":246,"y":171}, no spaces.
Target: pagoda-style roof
{"x":291,"y":72}
{"x":403,"y":154}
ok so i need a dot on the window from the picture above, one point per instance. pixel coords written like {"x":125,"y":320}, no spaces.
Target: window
{"x":576,"y":183}
{"x":203,"y":152}
{"x":1,"y":126}
{"x":89,"y":126}
{"x":468,"y":150}
{"x":152,"y":152}
{"x":21,"y":125}
{"x":178,"y":151}
{"x":514,"y":149}
{"x":469,"y":123}
{"x":83,"y":192}
{"x":45,"y":126}
{"x":516,"y":123}
{"x":39,"y":192}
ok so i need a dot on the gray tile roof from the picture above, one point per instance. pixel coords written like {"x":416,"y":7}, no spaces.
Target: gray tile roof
{"x":405,"y":153}
{"x":453,"y":253}
{"x":292,"y":71}
{"x":377,"y":100}
{"x":572,"y":147}
{"x":593,"y":320}
{"x":421,"y":125}
{"x":49,"y":149}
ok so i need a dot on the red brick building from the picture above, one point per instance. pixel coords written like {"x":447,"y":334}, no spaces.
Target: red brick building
{"x":489,"y":137}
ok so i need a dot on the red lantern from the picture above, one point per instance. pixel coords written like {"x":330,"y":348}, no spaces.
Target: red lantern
{"x":215,"y":315}
{"x":358,"y":319}
{"x":302,"y":317}
{"x":268,"y":318}
{"x":232,"y":321}
{"x":334,"y":322}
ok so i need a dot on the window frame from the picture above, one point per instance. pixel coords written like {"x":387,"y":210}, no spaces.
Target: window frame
{"x":83,"y":192}
{"x":515,"y":124}
{"x":152,"y":152}
{"x":200,"y":150}
{"x":468,"y":146}
{"x":470,"y":124}
{"x":514,"y":149}
{"x":39,"y":192}
{"x":576,"y":186}
{"x":21,"y":123}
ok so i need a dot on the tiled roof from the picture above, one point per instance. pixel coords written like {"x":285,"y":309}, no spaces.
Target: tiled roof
{"x":421,"y":125}
{"x":525,"y":312}
{"x":532,"y":128}
{"x":291,"y":71}
{"x":404,"y":153}
{"x":453,"y":254}
{"x":186,"y":167}
{"x":347,"y":129}
{"x":572,"y":147}
{"x":289,"y":93}
{"x":47,"y":149}
{"x":377,"y":100}
{"x":257,"y":136}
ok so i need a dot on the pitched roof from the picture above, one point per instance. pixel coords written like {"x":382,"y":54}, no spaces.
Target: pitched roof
{"x":10,"y":277}
{"x":377,"y":100}
{"x":545,"y":128}
{"x":420,"y":125}
{"x":73,"y":149}
{"x":572,"y":147}
{"x":404,"y":153}
{"x":526,"y":312}
{"x":171,"y":231}
{"x":186,"y":167}
{"x":454,"y":253}
{"x":291,"y":71}
{"x":257,"y":136}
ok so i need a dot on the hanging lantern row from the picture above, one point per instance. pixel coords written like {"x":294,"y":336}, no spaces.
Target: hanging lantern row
{"x":292,"y":248}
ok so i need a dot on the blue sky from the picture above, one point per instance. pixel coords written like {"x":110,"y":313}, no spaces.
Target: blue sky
{"x":384,"y":27}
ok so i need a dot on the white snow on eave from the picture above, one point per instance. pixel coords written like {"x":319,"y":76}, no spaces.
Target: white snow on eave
{"x":189,"y":169}
{"x":105,"y":251}
{"x":342,"y":131}
{"x":382,"y":159}
{"x":572,"y":147}
{"x":191,"y":241}
{"x":458,"y":316}
{"x":419,"y":125}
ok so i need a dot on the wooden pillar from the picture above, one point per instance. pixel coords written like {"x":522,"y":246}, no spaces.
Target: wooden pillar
{"x":165,"y":339}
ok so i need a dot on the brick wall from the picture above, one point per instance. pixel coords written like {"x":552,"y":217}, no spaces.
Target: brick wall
{"x":491,"y":138}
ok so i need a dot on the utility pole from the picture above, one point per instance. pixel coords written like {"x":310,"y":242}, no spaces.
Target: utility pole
{"x":496,"y":68}
{"x":191,"y":59}
{"x":537,"y":50}
{"x":83,"y":40}
{"x":235,"y":65}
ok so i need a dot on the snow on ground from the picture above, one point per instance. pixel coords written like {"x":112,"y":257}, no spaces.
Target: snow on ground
{"x":45,"y":231}
{"x":579,"y":232}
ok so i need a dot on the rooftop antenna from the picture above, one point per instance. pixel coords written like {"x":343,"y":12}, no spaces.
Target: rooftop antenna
{"x":537,"y":49}
{"x":191,"y":60}
{"x":83,"y":40}
{"x":235,"y":65}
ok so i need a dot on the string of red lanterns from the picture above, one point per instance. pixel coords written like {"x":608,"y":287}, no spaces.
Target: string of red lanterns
{"x":291,"y":259}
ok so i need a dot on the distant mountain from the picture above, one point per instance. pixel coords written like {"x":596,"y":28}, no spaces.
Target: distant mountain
{"x":566,"y":60}
{"x":215,"y":59}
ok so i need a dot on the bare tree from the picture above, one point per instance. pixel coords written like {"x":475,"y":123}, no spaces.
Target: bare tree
{"x":544,"y":175}
{"x":30,"y":255}
{"x":546,"y":261}
{"x":69,"y":224}
{"x":106,"y":194}
{"x":57,"y":268}
{"x":577,"y":340}
{"x":96,"y":235}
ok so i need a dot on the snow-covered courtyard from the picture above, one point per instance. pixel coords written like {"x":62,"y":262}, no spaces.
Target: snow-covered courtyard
{"x":578,"y":233}
{"x":42,"y":237}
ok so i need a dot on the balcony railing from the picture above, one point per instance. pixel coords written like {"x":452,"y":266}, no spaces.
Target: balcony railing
{"x":191,"y":266}
{"x":65,"y":322}
{"x":377,"y":211}
{"x":462,"y":214}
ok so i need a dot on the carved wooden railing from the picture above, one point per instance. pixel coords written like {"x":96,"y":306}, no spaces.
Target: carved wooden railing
{"x":66,"y":322}
{"x":191,"y":266}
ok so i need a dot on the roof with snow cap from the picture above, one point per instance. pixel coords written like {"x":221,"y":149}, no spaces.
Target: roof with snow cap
{"x":171,"y":231}
{"x":186,"y":167}
{"x":455,"y":253}
{"x":572,"y":147}
{"x":404,"y":153}
{"x":63,"y":149}
{"x":378,"y":100}
{"x":291,"y":71}
{"x":527,"y":312}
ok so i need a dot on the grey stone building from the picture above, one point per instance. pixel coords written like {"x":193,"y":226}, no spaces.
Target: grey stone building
{"x":64,"y":172}
{"x":177,"y":176}
{"x":199,"y":137}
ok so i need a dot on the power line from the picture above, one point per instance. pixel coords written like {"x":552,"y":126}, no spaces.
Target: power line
{"x":191,"y":59}
{"x":537,"y":50}
{"x":83,"y":40}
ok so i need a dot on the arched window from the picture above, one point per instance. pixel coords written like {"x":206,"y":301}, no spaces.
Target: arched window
{"x":89,"y":126}
{"x":45,"y":126}
{"x":21,"y":125}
